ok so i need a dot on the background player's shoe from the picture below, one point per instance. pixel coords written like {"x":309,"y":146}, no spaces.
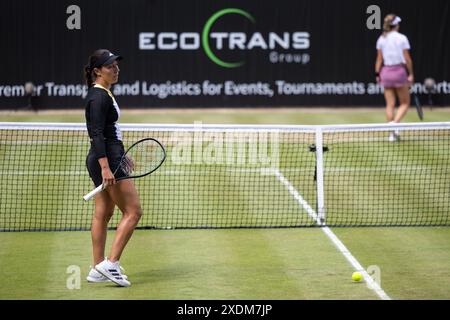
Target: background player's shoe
{"x":394,"y":136}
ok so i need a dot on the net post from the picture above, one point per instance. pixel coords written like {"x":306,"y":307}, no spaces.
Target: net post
{"x":319,"y":172}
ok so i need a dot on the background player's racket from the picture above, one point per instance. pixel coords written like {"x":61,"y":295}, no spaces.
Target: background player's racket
{"x":142,"y":158}
{"x":418,"y":106}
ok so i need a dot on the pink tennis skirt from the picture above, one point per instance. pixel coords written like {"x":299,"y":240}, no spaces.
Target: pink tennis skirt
{"x":393,"y":76}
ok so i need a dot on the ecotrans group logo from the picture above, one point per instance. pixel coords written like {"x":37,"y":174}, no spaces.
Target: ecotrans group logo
{"x":293,"y":45}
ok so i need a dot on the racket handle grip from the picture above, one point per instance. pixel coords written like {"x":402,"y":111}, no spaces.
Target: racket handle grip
{"x":93,"y":192}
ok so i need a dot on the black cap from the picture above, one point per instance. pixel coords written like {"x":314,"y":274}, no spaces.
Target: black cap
{"x":105,"y":59}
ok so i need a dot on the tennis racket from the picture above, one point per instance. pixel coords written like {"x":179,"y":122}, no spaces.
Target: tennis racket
{"x":418,"y":106}
{"x":142,"y":158}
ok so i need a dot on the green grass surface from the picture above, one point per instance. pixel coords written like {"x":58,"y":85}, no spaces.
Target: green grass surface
{"x":306,"y":116}
{"x":414,"y":262}
{"x":232,"y":264}
{"x":238,"y":263}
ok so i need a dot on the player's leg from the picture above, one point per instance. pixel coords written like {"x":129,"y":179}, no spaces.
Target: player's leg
{"x":405,"y":101}
{"x":104,"y":209}
{"x":389,"y":96}
{"x":126,"y":197}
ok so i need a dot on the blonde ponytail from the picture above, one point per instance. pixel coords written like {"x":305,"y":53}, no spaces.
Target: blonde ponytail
{"x":387,"y":24}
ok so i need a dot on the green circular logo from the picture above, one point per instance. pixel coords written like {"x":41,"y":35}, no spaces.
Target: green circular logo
{"x":207,"y":28}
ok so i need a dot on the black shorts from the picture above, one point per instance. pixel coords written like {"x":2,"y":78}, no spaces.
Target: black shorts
{"x":114,"y":152}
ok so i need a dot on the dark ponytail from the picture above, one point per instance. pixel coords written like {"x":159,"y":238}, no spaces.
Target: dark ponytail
{"x":88,"y":70}
{"x":88,"y":76}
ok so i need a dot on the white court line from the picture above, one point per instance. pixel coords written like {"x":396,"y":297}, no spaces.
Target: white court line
{"x":297,"y":196}
{"x":371,"y":284}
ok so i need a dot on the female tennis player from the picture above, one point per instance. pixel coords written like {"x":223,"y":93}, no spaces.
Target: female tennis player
{"x":102,"y":113}
{"x":394,"y":70}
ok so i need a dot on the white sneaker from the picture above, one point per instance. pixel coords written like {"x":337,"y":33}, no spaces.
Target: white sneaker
{"x":95,"y":276}
{"x":111,"y":270}
{"x":394,"y":136}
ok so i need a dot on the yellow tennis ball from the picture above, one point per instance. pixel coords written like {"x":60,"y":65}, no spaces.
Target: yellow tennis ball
{"x":356,"y":276}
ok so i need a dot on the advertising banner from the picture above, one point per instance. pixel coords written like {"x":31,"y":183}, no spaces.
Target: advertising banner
{"x":204,"y":53}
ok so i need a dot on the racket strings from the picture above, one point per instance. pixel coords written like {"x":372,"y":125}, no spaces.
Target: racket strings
{"x":142,"y":158}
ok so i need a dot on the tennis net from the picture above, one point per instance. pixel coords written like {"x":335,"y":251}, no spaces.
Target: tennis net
{"x":236,"y":176}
